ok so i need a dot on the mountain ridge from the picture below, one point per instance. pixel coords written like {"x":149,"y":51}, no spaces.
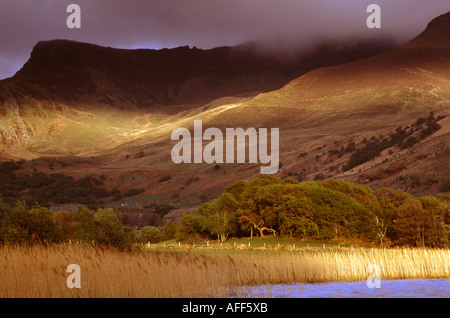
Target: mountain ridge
{"x":73,"y":71}
{"x":437,"y":33}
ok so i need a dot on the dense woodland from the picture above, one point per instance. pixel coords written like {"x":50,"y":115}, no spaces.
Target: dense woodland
{"x":328,"y":210}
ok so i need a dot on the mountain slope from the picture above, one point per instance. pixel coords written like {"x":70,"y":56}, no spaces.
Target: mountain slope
{"x":84,"y":99}
{"x":411,"y":79}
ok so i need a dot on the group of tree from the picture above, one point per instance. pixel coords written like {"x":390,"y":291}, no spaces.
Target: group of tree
{"x":321,"y":210}
{"x":20,"y":223}
{"x":56,"y":187}
{"x":403,"y":137}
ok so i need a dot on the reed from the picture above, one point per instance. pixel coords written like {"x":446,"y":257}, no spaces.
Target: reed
{"x":39,"y":271}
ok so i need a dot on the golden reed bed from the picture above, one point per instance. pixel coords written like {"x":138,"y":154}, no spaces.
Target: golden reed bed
{"x":38,"y":271}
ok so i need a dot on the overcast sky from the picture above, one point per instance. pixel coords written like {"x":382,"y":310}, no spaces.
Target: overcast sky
{"x":202,"y":23}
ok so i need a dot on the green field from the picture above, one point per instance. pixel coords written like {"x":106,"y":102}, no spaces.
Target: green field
{"x":270,"y":243}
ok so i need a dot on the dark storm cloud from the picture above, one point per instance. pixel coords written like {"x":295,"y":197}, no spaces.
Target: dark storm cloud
{"x":202,"y":23}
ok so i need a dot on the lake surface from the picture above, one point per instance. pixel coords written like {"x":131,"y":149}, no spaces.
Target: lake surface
{"x":410,"y":288}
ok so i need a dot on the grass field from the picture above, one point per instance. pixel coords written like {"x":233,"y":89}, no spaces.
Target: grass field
{"x":267,"y":243}
{"x":38,"y":271}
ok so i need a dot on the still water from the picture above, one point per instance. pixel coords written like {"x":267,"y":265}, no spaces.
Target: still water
{"x":411,"y":288}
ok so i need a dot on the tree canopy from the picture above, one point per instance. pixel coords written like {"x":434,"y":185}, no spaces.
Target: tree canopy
{"x":324,"y":210}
